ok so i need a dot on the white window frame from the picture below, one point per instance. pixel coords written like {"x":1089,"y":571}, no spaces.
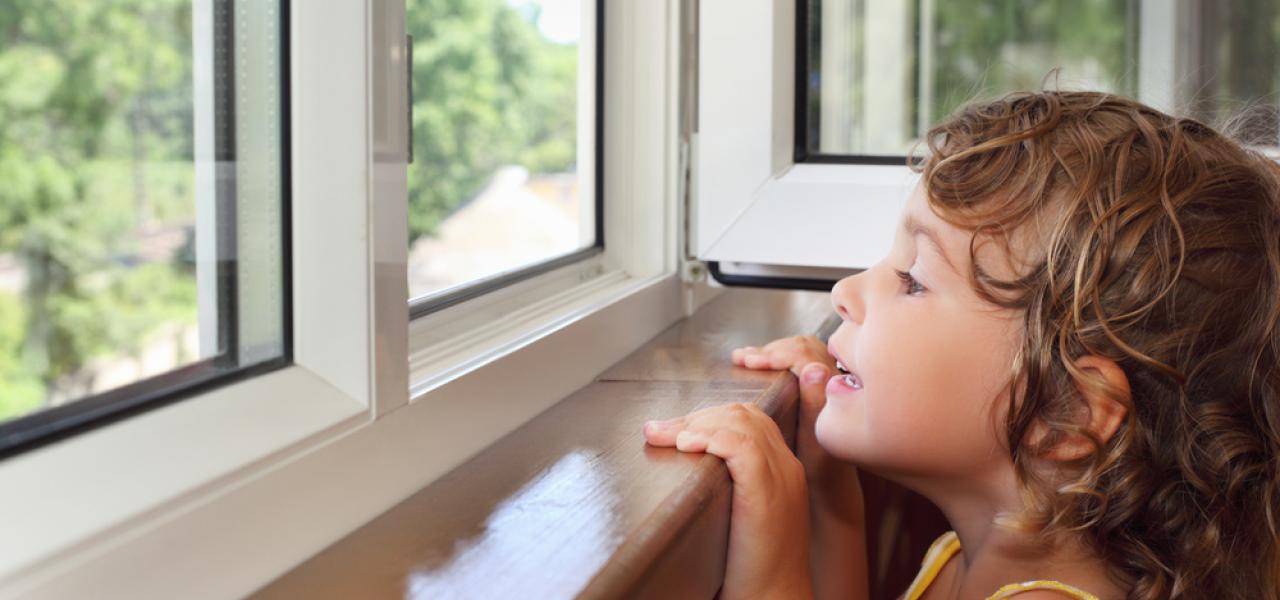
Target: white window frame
{"x":640,"y":216}
{"x":757,"y":211}
{"x":223,"y":492}
{"x":754,"y":205}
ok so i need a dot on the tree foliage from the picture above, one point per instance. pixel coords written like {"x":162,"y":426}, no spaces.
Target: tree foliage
{"x":96,"y":141}
{"x":77,"y":81}
{"x":488,"y":91}
{"x":985,"y":48}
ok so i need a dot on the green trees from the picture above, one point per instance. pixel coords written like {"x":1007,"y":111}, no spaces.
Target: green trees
{"x":95,"y":106}
{"x":96,"y":114}
{"x":972,"y":55}
{"x":488,"y":90}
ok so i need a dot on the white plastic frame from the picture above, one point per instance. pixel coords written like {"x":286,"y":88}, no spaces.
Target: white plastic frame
{"x":753,"y":204}
{"x":640,"y":218}
{"x":91,"y":516}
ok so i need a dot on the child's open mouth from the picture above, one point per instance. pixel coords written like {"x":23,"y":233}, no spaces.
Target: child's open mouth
{"x":846,"y":378}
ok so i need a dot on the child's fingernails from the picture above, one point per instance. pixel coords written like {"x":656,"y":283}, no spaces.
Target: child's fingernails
{"x":814,"y":373}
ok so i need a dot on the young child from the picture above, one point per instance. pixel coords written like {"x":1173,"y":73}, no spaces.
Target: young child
{"x":1071,"y":349}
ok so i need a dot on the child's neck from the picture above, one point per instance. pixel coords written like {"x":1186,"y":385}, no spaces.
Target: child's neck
{"x":992,"y":556}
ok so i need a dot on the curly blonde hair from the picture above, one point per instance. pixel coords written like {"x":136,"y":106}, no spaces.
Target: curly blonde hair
{"x":1162,"y":253}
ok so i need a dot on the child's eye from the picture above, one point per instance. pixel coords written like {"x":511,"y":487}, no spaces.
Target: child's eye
{"x":913,"y":286}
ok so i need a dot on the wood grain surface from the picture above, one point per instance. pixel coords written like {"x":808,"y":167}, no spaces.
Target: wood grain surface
{"x":574,"y":504}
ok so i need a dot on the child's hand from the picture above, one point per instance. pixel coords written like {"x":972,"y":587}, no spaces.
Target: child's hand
{"x":833,"y":484}
{"x":838,"y":523}
{"x":793,"y":353}
{"x":769,"y":523}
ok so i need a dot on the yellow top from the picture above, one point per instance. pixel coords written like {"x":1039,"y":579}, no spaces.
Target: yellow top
{"x":949,"y":544}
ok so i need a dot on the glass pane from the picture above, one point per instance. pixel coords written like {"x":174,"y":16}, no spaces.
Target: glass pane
{"x":880,"y":72}
{"x":503,"y":130}
{"x":122,"y":209}
{"x":1239,"y":78}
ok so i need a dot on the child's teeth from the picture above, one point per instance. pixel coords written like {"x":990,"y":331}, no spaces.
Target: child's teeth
{"x":852,"y":381}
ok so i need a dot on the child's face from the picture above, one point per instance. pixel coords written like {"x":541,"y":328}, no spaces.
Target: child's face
{"x":932,"y":358}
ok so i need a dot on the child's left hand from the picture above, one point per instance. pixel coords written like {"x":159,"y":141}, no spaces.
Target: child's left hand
{"x":769,"y":523}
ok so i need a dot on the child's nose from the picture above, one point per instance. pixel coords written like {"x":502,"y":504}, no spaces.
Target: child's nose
{"x":846,"y":298}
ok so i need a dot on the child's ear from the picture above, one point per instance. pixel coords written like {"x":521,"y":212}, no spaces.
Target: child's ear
{"x":1105,"y":413}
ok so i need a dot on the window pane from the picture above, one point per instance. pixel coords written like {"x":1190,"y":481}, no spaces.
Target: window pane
{"x":1239,"y":68}
{"x":881,"y":71}
{"x":140,"y":198}
{"x":503,"y":138}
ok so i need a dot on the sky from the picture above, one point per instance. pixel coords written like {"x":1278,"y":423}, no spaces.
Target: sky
{"x":561,"y":19}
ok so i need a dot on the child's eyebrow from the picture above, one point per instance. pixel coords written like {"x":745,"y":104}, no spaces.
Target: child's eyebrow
{"x":915,"y":228}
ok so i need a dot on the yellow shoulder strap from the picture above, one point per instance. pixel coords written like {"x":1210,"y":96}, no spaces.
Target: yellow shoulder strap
{"x":948,"y":544}
{"x":1018,"y":588}
{"x":939,"y":553}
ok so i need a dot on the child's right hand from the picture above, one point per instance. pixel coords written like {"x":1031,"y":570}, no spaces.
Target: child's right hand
{"x":834,"y":489}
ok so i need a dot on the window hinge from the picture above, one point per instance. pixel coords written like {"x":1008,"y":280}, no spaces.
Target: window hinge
{"x":693,"y":271}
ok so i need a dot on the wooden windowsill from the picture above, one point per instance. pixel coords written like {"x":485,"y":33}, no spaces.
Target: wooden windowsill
{"x":574,"y":504}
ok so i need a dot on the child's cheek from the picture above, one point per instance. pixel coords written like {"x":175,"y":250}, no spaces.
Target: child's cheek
{"x":908,"y":388}
{"x":870,"y":426}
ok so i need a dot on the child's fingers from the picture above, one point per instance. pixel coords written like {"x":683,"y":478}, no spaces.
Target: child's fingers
{"x":743,"y":436}
{"x":758,"y":360}
{"x":761,"y":358}
{"x":739,"y":355}
{"x":786,"y":353}
{"x":692,"y":440}
{"x":741,"y":452}
{"x":744,"y":418}
{"x":813,"y":387}
{"x":663,"y":433}
{"x":739,"y":417}
{"x":813,"y":397}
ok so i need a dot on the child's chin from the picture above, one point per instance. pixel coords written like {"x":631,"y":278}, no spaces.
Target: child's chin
{"x":834,"y":439}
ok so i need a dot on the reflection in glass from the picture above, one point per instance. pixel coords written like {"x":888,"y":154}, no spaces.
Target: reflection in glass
{"x":880,"y":72}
